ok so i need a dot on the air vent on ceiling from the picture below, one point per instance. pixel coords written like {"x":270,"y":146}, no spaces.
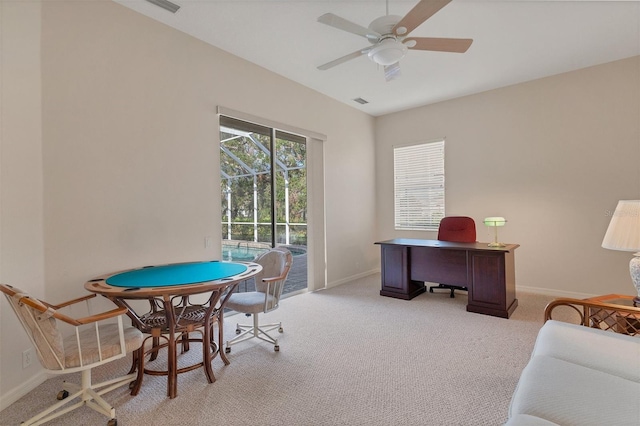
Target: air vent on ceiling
{"x":166,"y":4}
{"x":361,"y":101}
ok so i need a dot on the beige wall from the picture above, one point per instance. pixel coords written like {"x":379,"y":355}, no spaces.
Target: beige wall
{"x":109,"y":133}
{"x":126,"y":173}
{"x":130,"y":149}
{"x":553,"y":156}
{"x":21,"y":210}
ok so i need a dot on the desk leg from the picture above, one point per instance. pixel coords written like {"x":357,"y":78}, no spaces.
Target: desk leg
{"x":396,"y":277}
{"x":492,"y":289}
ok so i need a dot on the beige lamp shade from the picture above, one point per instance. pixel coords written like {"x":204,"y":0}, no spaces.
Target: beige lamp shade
{"x":624,"y":229}
{"x":623,"y":234}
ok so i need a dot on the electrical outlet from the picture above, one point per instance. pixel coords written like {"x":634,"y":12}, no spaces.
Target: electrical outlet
{"x":207,"y":242}
{"x":27,"y":357}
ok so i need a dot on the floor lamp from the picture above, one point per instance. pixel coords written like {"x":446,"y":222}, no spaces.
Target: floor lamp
{"x":624,"y":234}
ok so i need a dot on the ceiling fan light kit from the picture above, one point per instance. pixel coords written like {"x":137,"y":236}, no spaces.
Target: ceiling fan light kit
{"x":387,"y":52}
{"x":388,"y":36}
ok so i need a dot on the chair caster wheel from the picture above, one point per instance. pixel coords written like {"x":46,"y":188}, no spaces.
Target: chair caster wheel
{"x":112,"y":422}
{"x":227,"y":350}
{"x":280,"y":330}
{"x":238,"y":331}
{"x":276,"y":348}
{"x":430,"y":290}
{"x":62,"y":395}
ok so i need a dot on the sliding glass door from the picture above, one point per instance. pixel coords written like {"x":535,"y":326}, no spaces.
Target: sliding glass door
{"x":263,"y":190}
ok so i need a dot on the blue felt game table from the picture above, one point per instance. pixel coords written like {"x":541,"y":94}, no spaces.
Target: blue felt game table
{"x":173,"y":316}
{"x":171,"y":279}
{"x":176,"y":274}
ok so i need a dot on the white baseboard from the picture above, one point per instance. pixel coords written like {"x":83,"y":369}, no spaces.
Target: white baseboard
{"x":353,"y":278}
{"x":8,"y":398}
{"x":525,"y":289}
{"x":552,"y":292}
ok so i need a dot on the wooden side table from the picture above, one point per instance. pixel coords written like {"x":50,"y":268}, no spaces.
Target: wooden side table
{"x":620,"y":322}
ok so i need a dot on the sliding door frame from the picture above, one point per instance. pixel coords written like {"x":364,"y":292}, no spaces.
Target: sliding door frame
{"x":316,"y":236}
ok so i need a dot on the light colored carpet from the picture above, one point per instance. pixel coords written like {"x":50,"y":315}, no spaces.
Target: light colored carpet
{"x":348,"y":357}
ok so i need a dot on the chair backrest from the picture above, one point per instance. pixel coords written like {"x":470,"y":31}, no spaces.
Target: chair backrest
{"x":276,"y":264}
{"x":459,"y":229}
{"x":38,"y":321}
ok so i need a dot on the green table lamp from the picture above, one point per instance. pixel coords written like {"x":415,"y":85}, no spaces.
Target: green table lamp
{"x":495,"y":222}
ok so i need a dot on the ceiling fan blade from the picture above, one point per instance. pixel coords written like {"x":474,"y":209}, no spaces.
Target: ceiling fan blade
{"x":348,"y":26}
{"x":456,"y":45}
{"x":424,"y":10}
{"x":343,"y":59}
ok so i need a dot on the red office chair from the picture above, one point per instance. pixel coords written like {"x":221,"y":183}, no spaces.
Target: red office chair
{"x":458,"y":229}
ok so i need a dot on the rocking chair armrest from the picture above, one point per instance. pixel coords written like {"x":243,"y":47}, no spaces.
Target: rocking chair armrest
{"x":93,"y":318}
{"x":71,"y":302}
{"x":41,"y":305}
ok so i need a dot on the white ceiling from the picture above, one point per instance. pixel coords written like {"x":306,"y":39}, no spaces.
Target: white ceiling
{"x":514,"y":41}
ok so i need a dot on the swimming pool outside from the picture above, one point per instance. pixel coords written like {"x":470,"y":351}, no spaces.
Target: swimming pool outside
{"x":248,"y":251}
{"x":242,"y":250}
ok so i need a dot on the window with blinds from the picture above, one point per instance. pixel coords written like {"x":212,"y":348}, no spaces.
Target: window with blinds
{"x":419,"y":186}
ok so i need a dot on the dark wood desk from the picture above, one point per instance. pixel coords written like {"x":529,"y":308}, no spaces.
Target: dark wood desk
{"x":487,"y":272}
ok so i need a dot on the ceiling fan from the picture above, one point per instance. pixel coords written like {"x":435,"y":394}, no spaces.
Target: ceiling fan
{"x":388,"y":37}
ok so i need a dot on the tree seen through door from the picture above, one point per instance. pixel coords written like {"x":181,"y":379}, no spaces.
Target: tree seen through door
{"x":249,"y":177}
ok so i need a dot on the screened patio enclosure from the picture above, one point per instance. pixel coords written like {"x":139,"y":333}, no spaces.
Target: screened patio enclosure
{"x":263,"y":196}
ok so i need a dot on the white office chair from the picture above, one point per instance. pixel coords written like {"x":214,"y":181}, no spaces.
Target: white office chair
{"x":94,"y":343}
{"x":276,"y":264}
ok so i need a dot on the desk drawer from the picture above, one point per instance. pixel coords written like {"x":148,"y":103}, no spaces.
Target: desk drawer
{"x":442,"y":266}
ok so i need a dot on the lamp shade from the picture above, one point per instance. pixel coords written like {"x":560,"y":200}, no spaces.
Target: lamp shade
{"x":387,"y":52}
{"x":624,"y":229}
{"x":495,"y":221}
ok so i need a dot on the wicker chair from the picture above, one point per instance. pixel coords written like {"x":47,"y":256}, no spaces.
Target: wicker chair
{"x":276,"y":264}
{"x":597,"y":314}
{"x":97,"y":340}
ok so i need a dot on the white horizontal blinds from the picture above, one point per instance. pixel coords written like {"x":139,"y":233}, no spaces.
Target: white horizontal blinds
{"x":419,"y":185}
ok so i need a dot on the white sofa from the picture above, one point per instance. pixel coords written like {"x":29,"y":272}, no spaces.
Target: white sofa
{"x":579,"y":376}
